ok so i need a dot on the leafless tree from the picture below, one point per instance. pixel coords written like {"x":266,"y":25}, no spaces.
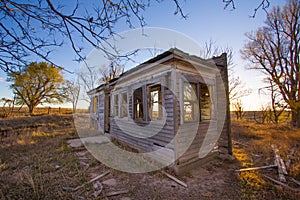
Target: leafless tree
{"x":277,"y":105}
{"x":210,"y":49}
{"x":8,"y":106}
{"x":89,"y":78}
{"x":274,"y":49}
{"x":111,"y":71}
{"x":154,"y":51}
{"x":237,"y":88}
{"x":238,"y":109}
{"x":264,"y":115}
{"x":72,"y":92}
{"x":36,"y":28}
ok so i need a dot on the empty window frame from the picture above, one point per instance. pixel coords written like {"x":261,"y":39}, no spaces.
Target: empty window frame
{"x":95,"y":104}
{"x":138,"y":104}
{"x":123,"y":105}
{"x":191,"y":105}
{"x":155,"y":102}
{"x":190,"y":102}
{"x":116,"y":105}
{"x":205,"y":101}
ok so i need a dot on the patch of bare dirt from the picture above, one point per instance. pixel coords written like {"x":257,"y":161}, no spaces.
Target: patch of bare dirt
{"x":214,"y":180}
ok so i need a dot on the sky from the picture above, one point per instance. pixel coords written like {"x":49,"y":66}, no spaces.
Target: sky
{"x":207,"y":20}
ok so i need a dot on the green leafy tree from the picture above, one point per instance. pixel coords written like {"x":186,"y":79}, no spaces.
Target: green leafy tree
{"x":274,"y":49}
{"x":36,"y":84}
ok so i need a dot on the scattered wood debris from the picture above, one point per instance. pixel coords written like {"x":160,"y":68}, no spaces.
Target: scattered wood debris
{"x":90,"y":181}
{"x":282,"y":184}
{"x":280,"y":164}
{"x":255,"y":168}
{"x":282,"y":169}
{"x":175,"y":179}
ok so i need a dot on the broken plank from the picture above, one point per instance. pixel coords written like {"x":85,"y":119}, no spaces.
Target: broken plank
{"x":277,"y":161}
{"x":282,"y":184}
{"x":255,"y":168}
{"x":283,"y":167}
{"x":175,"y":179}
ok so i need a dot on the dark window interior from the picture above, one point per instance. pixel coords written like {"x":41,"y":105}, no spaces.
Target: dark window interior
{"x":138,"y":104}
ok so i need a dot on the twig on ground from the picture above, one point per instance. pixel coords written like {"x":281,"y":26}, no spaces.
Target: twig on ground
{"x":175,"y":179}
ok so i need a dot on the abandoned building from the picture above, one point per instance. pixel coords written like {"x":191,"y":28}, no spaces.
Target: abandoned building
{"x":171,"y":96}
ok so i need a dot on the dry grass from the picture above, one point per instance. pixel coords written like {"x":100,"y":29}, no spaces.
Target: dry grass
{"x":23,"y":112}
{"x":253,"y":149}
{"x":37,"y":164}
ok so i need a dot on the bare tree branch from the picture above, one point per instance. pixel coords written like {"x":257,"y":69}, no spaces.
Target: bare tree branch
{"x":264,"y":5}
{"x":237,"y":88}
{"x":274,"y":50}
{"x":30,"y":29}
{"x":278,"y":105}
{"x":72,"y":91}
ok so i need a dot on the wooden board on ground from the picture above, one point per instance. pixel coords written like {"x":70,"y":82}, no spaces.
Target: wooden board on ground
{"x":279,"y":162}
{"x":255,"y":168}
{"x":175,"y":179}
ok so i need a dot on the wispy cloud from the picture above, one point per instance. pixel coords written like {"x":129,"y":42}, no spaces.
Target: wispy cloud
{"x":1,"y":79}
